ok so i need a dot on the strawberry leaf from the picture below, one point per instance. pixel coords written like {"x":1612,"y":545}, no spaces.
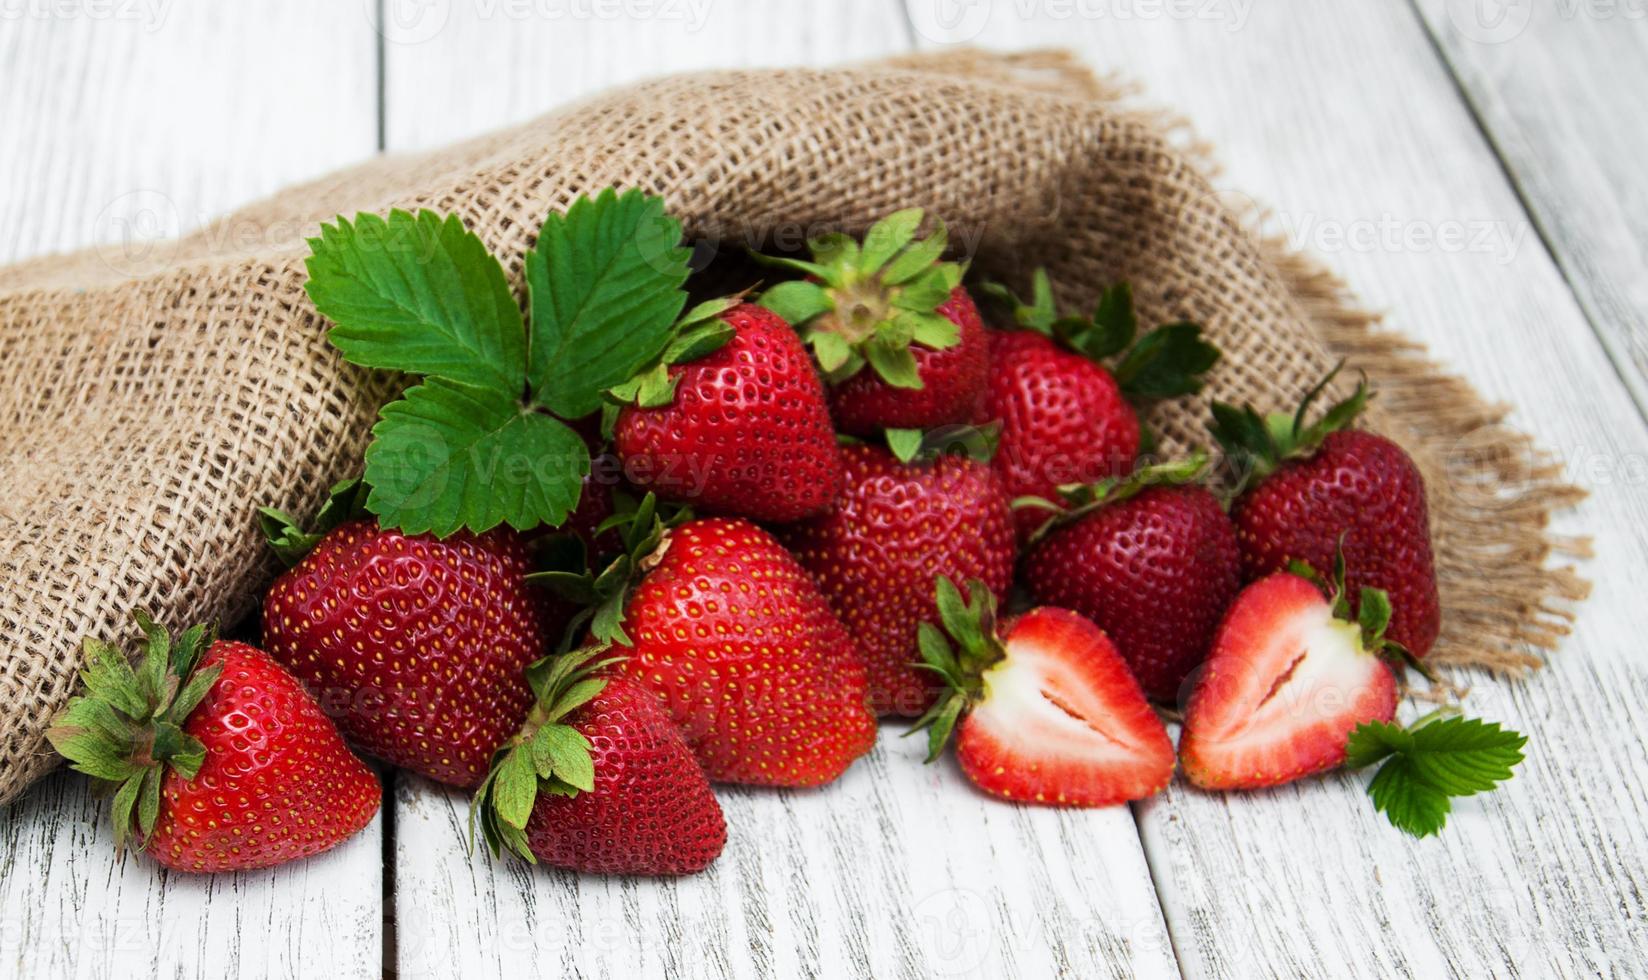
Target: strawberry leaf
{"x":420,"y":294}
{"x":604,"y":282}
{"x":1426,"y":765}
{"x":451,"y":455}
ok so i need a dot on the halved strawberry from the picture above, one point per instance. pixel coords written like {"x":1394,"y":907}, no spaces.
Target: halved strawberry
{"x":1289,"y":677}
{"x":1048,"y":712}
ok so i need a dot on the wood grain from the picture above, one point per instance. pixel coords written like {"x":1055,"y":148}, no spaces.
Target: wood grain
{"x":1558,"y":87}
{"x":896,"y":870}
{"x":1344,"y":119}
{"x":126,"y":122}
{"x":457,"y":68}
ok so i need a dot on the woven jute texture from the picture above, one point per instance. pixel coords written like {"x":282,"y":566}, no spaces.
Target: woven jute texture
{"x":149,"y":401}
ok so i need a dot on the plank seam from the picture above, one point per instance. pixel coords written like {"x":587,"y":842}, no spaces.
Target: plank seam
{"x":1616,"y":359}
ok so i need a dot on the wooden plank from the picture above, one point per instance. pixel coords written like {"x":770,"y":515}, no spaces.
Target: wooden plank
{"x":126,"y":122}
{"x":896,"y":870}
{"x":1559,"y":87}
{"x":1343,"y":118}
{"x":456,"y":69}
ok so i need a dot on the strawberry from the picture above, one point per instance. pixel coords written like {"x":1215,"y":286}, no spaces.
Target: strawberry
{"x":413,"y":643}
{"x":1287,"y":681}
{"x":899,"y":339}
{"x":217,"y":759}
{"x":1046,"y":712}
{"x":1158,"y":564}
{"x":895,"y":529}
{"x":718,"y":620}
{"x":1313,"y":490}
{"x":741,"y":429}
{"x":599,"y":779}
{"x":952,"y":381}
{"x":1065,"y":418}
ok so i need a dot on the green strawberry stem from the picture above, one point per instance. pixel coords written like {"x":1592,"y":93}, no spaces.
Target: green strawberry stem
{"x":126,"y":731}
{"x":1167,"y":362}
{"x":971,"y":623}
{"x":547,"y":755}
{"x":1255,"y":446}
{"x":863,"y":304}
{"x":288,"y":538}
{"x":1081,"y":499}
{"x":1373,"y":613}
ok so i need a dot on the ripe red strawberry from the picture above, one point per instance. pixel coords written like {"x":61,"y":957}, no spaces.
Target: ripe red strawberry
{"x":735,"y":637}
{"x":952,"y":381}
{"x":1316,"y":489}
{"x":217,"y":758}
{"x":1153,"y":566}
{"x":1065,"y":418}
{"x":899,"y":339}
{"x":896,"y":528}
{"x":415,"y":644}
{"x":599,"y":780}
{"x":742,"y":430}
{"x":1048,"y":712}
{"x":1288,"y":679}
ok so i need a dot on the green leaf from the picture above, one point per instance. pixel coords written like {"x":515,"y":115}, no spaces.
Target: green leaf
{"x":515,"y":788}
{"x":832,"y":350}
{"x":148,"y":800}
{"x":932,"y":330}
{"x":94,"y":755}
{"x":125,"y":803}
{"x":290,"y":541}
{"x":1114,"y":323}
{"x":893,"y":364}
{"x":1428,"y":764}
{"x":885,"y":239}
{"x":797,"y":301}
{"x":449,"y":455}
{"x":904,"y":443}
{"x":1373,"y":614}
{"x":418,"y":294}
{"x":698,"y":342}
{"x":573,"y":763}
{"x":918,"y":259}
{"x":1167,"y":362}
{"x":604,"y":283}
{"x":944,"y":722}
{"x":194,"y":691}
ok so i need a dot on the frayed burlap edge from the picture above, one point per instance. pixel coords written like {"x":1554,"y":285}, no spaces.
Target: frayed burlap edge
{"x":1491,"y":490}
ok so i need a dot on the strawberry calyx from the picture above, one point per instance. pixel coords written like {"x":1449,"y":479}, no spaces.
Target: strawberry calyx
{"x":126,"y":731}
{"x":1081,"y":499}
{"x":547,"y":755}
{"x":1167,"y":362}
{"x":971,"y":623}
{"x":1373,"y":613}
{"x":1256,"y":445}
{"x":291,"y":541}
{"x":976,"y":442}
{"x":863,"y":304}
{"x":602,"y":593}
{"x":699,"y":333}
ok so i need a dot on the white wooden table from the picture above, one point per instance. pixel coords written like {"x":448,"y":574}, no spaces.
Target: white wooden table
{"x":1475,"y":167}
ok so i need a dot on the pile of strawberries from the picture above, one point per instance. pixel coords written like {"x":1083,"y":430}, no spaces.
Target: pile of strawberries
{"x":844,"y":498}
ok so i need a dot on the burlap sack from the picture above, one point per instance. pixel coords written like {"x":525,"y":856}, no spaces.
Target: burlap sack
{"x":150,"y":400}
